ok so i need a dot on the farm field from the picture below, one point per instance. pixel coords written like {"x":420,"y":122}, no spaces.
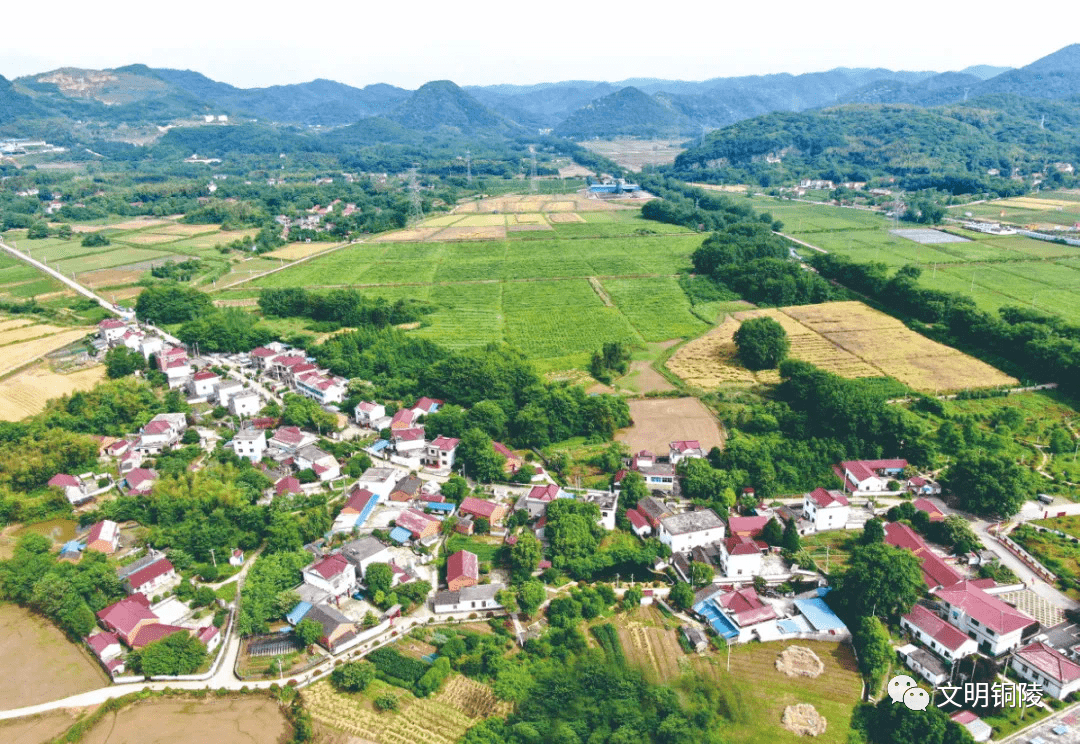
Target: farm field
{"x":1006,"y":269}
{"x":49,"y":665}
{"x":442,"y":719}
{"x":26,"y":392}
{"x":35,"y":730}
{"x":633,"y":153}
{"x":833,"y":694}
{"x":658,"y":421}
{"x":846,"y":338}
{"x":650,"y":645}
{"x":241,"y":721}
{"x":25,"y":344}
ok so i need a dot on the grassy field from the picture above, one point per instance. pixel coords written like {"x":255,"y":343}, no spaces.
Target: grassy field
{"x":209,"y":721}
{"x":49,"y":665}
{"x":994,"y":270}
{"x":484,"y":547}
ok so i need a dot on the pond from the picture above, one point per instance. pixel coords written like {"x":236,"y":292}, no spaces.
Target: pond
{"x":58,"y":530}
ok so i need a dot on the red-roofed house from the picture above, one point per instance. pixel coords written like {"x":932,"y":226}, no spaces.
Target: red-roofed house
{"x":289,"y":439}
{"x":426,"y":405}
{"x":826,"y":510}
{"x":462,"y":570}
{"x":359,"y":498}
{"x":106,"y":646}
{"x":128,"y":618}
{"x":209,"y":637}
{"x":740,"y":556}
{"x":331,"y":574}
{"x":547,"y":494}
{"x":747,"y":526}
{"x":173,"y":362}
{"x":870,"y":475}
{"x":323,"y":388}
{"x":936,"y":572}
{"x":74,"y":489}
{"x":482,"y":509}
{"x":288,"y":484}
{"x":203,"y":382}
{"x":409,"y":442}
{"x":403,"y":419}
{"x":153,"y":578}
{"x":1045,"y":666}
{"x":419,"y":524}
{"x":945,"y":640}
{"x":140,"y":481}
{"x":372,"y":415}
{"x":261,"y":355}
{"x":440,"y":452}
{"x":928,"y":506}
{"x":744,"y":608}
{"x":997,"y":627}
{"x":684,"y":449}
{"x":104,"y":537}
{"x":111,"y":329}
{"x":638,"y":523}
{"x":514,"y":461}
{"x":118,"y":448}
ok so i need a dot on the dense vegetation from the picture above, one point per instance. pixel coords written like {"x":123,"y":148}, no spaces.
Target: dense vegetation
{"x":342,"y":307}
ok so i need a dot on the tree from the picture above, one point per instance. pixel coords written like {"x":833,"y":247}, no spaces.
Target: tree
{"x":956,"y":532}
{"x":873,"y":649}
{"x":95,"y":240}
{"x":632,"y":597}
{"x":455,"y":489}
{"x":790,"y":539}
{"x":489,"y":417}
{"x":700,"y":573}
{"x":378,"y":577}
{"x":702,"y":482}
{"x":879,"y":580}
{"x":386,"y":701}
{"x":38,"y":230}
{"x":1061,"y":442}
{"x":682,"y":595}
{"x":762,"y":343}
{"x":353,"y":676}
{"x":988,"y":484}
{"x":478,"y":457}
{"x":531,"y":595}
{"x":308,"y":632}
{"x":179,"y":653}
{"x":525,"y":556}
{"x":190,"y":436}
{"x":121,"y":361}
{"x":873,"y":532}
{"x":773,"y":532}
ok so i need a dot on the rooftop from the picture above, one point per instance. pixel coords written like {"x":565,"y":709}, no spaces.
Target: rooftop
{"x":462,"y":564}
{"x":947,"y":635}
{"x":986,"y":608}
{"x":825,"y":498}
{"x":1049,"y":662}
{"x":695,"y":521}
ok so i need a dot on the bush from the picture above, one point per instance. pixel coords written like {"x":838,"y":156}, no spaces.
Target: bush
{"x":386,"y":701}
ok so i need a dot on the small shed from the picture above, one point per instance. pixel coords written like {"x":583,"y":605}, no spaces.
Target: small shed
{"x":400,"y":535}
{"x":697,"y":640}
{"x":296,"y":614}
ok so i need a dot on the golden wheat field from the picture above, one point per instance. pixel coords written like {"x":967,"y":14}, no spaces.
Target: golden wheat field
{"x":559,"y":218}
{"x":25,"y":332}
{"x":301,"y":250}
{"x":26,"y":393}
{"x":482,"y":220}
{"x":479,"y":232}
{"x":18,"y":354}
{"x":412,"y":235}
{"x":536,"y":203}
{"x":846,"y":338}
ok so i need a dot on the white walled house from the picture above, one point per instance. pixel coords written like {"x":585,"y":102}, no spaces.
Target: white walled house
{"x":607,"y":503}
{"x":1046,"y":667}
{"x":322,"y":388}
{"x":826,"y":510}
{"x":997,"y":627}
{"x":203,"y":383}
{"x":945,"y":640}
{"x":871,"y":476}
{"x":333,"y":574}
{"x":245,"y":404}
{"x":740,"y":556}
{"x":691,"y":529}
{"x":379,"y":481}
{"x":410,"y":442}
{"x":323,"y":463}
{"x":684,"y":449}
{"x":250,"y":443}
{"x":226,"y":390}
{"x":371,"y":415}
{"x":440,"y":452}
{"x":363,"y":552}
{"x":478,"y":598}
{"x":111,"y":329}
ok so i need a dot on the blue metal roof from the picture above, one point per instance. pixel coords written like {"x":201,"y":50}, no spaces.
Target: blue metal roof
{"x":380,"y":445}
{"x":443,"y":506}
{"x":400,"y":534}
{"x":819,"y":615}
{"x":72,"y":546}
{"x":297,"y":613}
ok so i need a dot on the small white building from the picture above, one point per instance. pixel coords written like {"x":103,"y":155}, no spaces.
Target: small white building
{"x":691,"y":529}
{"x":945,"y":640}
{"x":203,"y":383}
{"x":245,"y":404}
{"x":331,"y":574}
{"x":607,"y":503}
{"x":363,"y":552}
{"x":826,"y":510}
{"x":371,"y":415}
{"x":923,"y":663}
{"x":683,"y":449}
{"x":250,"y":443}
{"x":440,"y":452}
{"x":111,"y":329}
{"x":740,"y":556}
{"x":871,"y":476}
{"x":380,"y":481}
{"x":323,"y":463}
{"x":478,"y":598}
{"x":410,"y":442}
{"x":226,"y":390}
{"x":1044,"y":666}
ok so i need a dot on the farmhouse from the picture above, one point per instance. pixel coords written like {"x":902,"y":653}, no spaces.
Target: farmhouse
{"x":161,"y":432}
{"x":371,"y":415}
{"x":470,"y":599}
{"x":997,"y":627}
{"x":104,"y":537}
{"x":826,"y":510}
{"x":440,"y":452}
{"x":482,"y":509}
{"x":737,"y":615}
{"x":155,"y":577}
{"x":333,"y":574}
{"x":639,"y":523}
{"x":658,"y":475}
{"x":379,"y":480}
{"x":289,"y":439}
{"x":140,"y":481}
{"x":74,"y":489}
{"x":928,"y":506}
{"x":336,"y":628}
{"x":111,"y":329}
{"x":1044,"y":666}
{"x":250,"y":444}
{"x":747,"y":526}
{"x":419,"y":525}
{"x":923,"y":663}
{"x":870,"y":475}
{"x":245,"y":404}
{"x":425,"y":405}
{"x":936,"y":572}
{"x":363,"y":552}
{"x":323,"y":463}
{"x":410,"y":442}
{"x":979,"y":729}
{"x":226,"y":390}
{"x":106,"y":646}
{"x":203,"y":383}
{"x":323,"y":388}
{"x":653,"y":510}
{"x":607,"y":503}
{"x":403,"y":419}
{"x":407,"y":489}
{"x":462,"y":570}
{"x":690,"y":529}
{"x":288,"y":484}
{"x":947,"y":641}
{"x":684,"y":449}
{"x":740,"y":556}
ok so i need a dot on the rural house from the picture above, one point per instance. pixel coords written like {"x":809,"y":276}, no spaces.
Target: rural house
{"x":682,"y":450}
{"x":440,"y":452}
{"x":287,"y":440}
{"x":826,"y":510}
{"x":363,"y":552}
{"x":245,"y":404}
{"x":250,"y":444}
{"x":336,"y":628}
{"x":332,"y":574}
{"x":639,"y":523}
{"x":936,"y":572}
{"x":482,"y":509}
{"x":419,"y":525}
{"x":462,"y":570}
{"x":928,"y":506}
{"x":1044,"y":666}
{"x":75,"y":491}
{"x":104,"y":537}
{"x":690,"y":529}
{"x":153,"y":578}
{"x":513,"y":462}
{"x":997,"y":627}
{"x":324,"y":464}
{"x":140,"y":481}
{"x":945,"y":640}
{"x":869,"y":476}
{"x":407,"y":489}
{"x":371,"y":415}
{"x":380,"y":481}
{"x":203,"y":383}
{"x":747,"y":526}
{"x":478,"y":598}
{"x":740,"y":556}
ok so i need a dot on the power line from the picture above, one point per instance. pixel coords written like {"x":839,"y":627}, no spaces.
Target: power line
{"x":416,"y":204}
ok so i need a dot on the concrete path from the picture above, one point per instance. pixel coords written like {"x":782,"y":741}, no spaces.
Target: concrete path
{"x":40,"y":266}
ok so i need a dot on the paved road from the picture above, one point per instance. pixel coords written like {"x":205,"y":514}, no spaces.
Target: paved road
{"x":57,"y":275}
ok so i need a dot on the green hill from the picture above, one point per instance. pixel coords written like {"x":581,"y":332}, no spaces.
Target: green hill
{"x":625,"y":112}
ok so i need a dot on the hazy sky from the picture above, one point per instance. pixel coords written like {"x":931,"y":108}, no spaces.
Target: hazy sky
{"x":483,"y":42}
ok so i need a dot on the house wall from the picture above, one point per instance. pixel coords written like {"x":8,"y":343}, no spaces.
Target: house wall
{"x":1051,"y":687}
{"x":740,"y":565}
{"x":997,"y":644}
{"x":966,"y":649}
{"x":689,"y":540}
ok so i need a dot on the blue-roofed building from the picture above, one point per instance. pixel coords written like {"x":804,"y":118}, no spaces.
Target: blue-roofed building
{"x":821,"y":618}
{"x":442,"y":507}
{"x":400,"y":535}
{"x":71,"y":551}
{"x":379,"y":446}
{"x":296,"y":614}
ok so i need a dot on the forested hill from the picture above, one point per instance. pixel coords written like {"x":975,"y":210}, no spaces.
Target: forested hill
{"x":625,"y":112}
{"x":952,"y":147}
{"x":442,"y":104}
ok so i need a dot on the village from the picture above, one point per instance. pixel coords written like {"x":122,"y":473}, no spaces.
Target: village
{"x":391,"y":521}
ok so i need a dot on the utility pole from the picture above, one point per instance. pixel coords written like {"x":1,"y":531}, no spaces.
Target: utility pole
{"x":468,"y":167}
{"x":532,"y":172}
{"x":416,"y":204}
{"x":213,"y":557}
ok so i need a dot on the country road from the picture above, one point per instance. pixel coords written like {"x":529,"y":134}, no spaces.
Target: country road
{"x":65,"y":279}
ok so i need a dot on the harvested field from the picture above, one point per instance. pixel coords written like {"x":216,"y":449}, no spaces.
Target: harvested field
{"x":210,"y":721}
{"x":458,"y":232}
{"x":138,"y":223}
{"x":8,"y":325}
{"x":186,"y":231}
{"x":49,"y":666}
{"x":662,"y":420}
{"x":22,"y":333}
{"x":804,"y":720}
{"x":26,"y":393}
{"x":110,"y":277}
{"x":147,"y":238}
{"x":482,"y":220}
{"x":534,"y":218}
{"x":413,"y":235}
{"x":442,"y":220}
{"x":536,"y":203}
{"x":301,"y":250}
{"x":633,"y":153}
{"x":846,"y":338}
{"x":560,"y":218}
{"x":654,"y":650}
{"x":529,"y":228}
{"x":799,"y":661}
{"x":16,"y":355}
{"x":35,"y":730}
{"x":642,"y":378}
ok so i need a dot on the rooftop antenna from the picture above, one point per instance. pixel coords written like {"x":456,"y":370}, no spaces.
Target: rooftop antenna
{"x":532,"y":172}
{"x":468,"y":167}
{"x":416,"y":205}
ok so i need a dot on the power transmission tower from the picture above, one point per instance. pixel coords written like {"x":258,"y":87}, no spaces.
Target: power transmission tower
{"x":416,"y":205}
{"x":468,"y":167}
{"x":532,"y":172}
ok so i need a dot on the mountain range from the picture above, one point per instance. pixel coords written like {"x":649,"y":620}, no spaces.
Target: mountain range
{"x":137,"y":94}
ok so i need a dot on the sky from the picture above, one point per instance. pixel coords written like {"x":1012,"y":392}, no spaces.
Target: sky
{"x":484,"y":42}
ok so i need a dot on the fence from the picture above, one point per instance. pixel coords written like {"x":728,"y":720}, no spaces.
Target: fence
{"x":1029,"y":560}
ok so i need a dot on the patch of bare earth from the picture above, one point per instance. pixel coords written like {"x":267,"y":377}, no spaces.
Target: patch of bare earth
{"x":662,"y":420}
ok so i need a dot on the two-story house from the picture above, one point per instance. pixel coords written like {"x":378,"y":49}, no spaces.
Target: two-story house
{"x":996,"y":626}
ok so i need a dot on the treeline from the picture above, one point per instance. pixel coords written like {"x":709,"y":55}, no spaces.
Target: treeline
{"x":696,"y":208}
{"x":341,"y":307}
{"x":750,"y":260}
{"x":1036,"y":345}
{"x":214,"y":329}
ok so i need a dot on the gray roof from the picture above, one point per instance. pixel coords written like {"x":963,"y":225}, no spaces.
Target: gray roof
{"x":409,"y":484}
{"x":695,"y":521}
{"x":378,"y":474}
{"x":327,"y":617}
{"x":124,"y":571}
{"x":311,"y":452}
{"x":251,"y":434}
{"x":602,"y":499}
{"x":926,"y":660}
{"x":360,"y":550}
{"x":694,"y":635}
{"x":469,"y":594}
{"x":652,"y":507}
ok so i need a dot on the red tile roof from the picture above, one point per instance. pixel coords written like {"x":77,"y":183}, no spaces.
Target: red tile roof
{"x":1049,"y":662}
{"x":427,"y":404}
{"x":262,"y":351}
{"x":636,"y":518}
{"x":330,"y":566}
{"x":150,"y":633}
{"x":157,"y":427}
{"x":863,"y":469}
{"x":138,"y":478}
{"x":106,"y":529}
{"x":358,"y":499}
{"x":148,"y":574}
{"x":207,"y":634}
{"x":986,"y":608}
{"x":750,"y":525}
{"x":61,"y":480}
{"x":746,"y":607}
{"x":947,"y":635}
{"x":928,"y":506}
{"x":101,"y":640}
{"x":408,"y":435}
{"x":477,"y":507}
{"x":544,"y":493}
{"x":740,"y":545}
{"x":462,"y":564}
{"x":288,"y":484}
{"x":111,"y":323}
{"x":288,"y":435}
{"x":205,"y":374}
{"x":445,"y":443}
{"x":126,"y":614}
{"x":936,"y":572}
{"x":964,"y":716}
{"x":414,"y":521}
{"x":685,"y":445}
{"x":505,"y":451}
{"x":825,"y":498}
{"x":404,"y":417}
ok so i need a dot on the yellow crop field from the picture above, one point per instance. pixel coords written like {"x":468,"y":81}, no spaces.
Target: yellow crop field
{"x":1027,"y":202}
{"x":559,"y":218}
{"x":26,"y":393}
{"x":529,"y":218}
{"x":413,"y":235}
{"x":23,"y":333}
{"x":18,"y":354}
{"x":7,"y":325}
{"x":442,"y":220}
{"x":301,"y":250}
{"x":846,"y":338}
{"x":482,"y":220}
{"x":482,"y":232}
